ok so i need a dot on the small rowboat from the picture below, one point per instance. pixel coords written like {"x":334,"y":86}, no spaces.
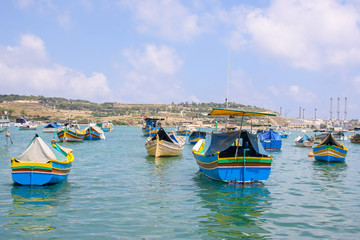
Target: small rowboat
{"x":329,"y":150}
{"x":304,"y":141}
{"x":41,"y":165}
{"x":164,"y":144}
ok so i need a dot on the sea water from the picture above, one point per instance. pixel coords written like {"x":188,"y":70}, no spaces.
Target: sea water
{"x":116,"y":191}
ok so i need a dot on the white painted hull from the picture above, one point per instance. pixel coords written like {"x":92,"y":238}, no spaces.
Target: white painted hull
{"x":163,"y":148}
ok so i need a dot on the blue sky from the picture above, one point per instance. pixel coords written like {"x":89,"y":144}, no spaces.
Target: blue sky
{"x":283,"y":53}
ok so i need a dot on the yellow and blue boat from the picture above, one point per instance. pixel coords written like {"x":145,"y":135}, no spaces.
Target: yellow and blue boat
{"x":94,"y":133}
{"x":151,"y":126}
{"x":106,"y":126}
{"x":197,"y":135}
{"x":330,"y":150}
{"x":41,"y":165}
{"x":70,"y":133}
{"x":355,"y":138}
{"x":233,"y":156}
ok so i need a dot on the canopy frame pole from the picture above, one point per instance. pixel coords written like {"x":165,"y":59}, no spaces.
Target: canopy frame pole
{"x":242,"y":119}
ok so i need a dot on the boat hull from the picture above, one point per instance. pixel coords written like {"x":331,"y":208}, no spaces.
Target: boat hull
{"x":330,"y":153}
{"x":183,"y":132}
{"x":40,"y":173}
{"x":27,"y":128}
{"x":160,"y":148}
{"x":271,"y":145}
{"x":354,"y":139}
{"x":250,"y":169}
{"x":92,"y":135}
{"x":49,"y":130}
{"x":68,"y":135}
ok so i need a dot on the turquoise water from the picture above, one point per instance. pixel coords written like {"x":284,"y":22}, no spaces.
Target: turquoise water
{"x":115,"y":191}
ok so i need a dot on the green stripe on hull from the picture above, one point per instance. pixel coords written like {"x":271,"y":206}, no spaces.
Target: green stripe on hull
{"x":31,"y":167}
{"x":248,"y":160}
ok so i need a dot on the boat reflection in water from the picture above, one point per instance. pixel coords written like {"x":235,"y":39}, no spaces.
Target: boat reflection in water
{"x":36,"y":209}
{"x":329,"y":172}
{"x":235,"y":211}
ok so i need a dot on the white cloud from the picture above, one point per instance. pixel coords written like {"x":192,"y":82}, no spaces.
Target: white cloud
{"x":26,"y":69}
{"x":165,"y":18}
{"x":152,"y":75}
{"x":64,"y":20}
{"x":307,"y":34}
{"x":300,"y":94}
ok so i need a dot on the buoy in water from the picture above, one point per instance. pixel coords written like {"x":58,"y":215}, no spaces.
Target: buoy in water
{"x":7,"y":134}
{"x":311,"y":154}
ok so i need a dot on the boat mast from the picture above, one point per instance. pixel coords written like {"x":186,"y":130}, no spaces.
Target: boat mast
{"x":227,"y":89}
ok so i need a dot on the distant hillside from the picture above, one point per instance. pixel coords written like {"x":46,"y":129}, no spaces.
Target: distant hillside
{"x":40,"y":108}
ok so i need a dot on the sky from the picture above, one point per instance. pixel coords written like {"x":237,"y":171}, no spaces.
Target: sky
{"x":272,"y":54}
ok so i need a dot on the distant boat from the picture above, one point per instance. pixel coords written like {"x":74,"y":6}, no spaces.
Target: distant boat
{"x":51,"y":127}
{"x":184,"y":129}
{"x":4,"y":122}
{"x":283,"y":133}
{"x":70,"y":133}
{"x":355,"y":138}
{"x":330,"y":150}
{"x":197,"y":135}
{"x":164,"y":144}
{"x":339,"y":136}
{"x":20,"y":121}
{"x":28,"y":126}
{"x":270,"y":140}
{"x":151,"y":126}
{"x":304,"y":141}
{"x":41,"y":165}
{"x":233,"y":156}
{"x":94,"y":133}
{"x":106,"y":126}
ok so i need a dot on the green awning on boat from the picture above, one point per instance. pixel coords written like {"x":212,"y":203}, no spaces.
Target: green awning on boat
{"x":235,"y":112}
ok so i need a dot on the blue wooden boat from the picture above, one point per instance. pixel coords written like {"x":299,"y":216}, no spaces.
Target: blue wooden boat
{"x":234,"y":156}
{"x":197,"y":135}
{"x":41,"y":165}
{"x":330,"y":150}
{"x":94,"y":133}
{"x":151,"y":126}
{"x":270,"y":140}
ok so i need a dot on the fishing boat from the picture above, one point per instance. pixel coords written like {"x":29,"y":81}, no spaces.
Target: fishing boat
{"x":355,"y":138}
{"x":94,"y":133}
{"x":151,"y":126}
{"x":270,"y":140}
{"x":28,"y":126}
{"x":40,"y":164}
{"x":164,"y":144}
{"x":283,"y":133}
{"x":338,"y":136}
{"x":20,"y":121}
{"x":304,"y":141}
{"x":51,"y":127}
{"x":70,"y":133}
{"x":330,"y":150}
{"x":233,"y":156}
{"x":184,"y":129}
{"x":106,"y":126}
{"x":4,"y":122}
{"x":196,"y":135}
